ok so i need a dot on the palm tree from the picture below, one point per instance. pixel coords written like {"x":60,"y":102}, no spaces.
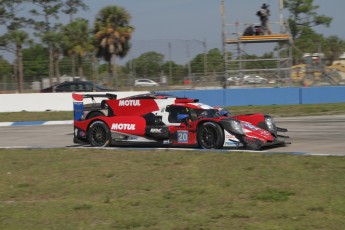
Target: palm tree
{"x":45,"y":12}
{"x":77,"y":42}
{"x":113,"y":33}
{"x":16,"y":39}
{"x":54,"y":39}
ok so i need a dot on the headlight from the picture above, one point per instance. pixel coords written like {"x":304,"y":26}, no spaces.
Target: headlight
{"x":270,"y":124}
{"x":236,"y":126}
{"x":231,"y":125}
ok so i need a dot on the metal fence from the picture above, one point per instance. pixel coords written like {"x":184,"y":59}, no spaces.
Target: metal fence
{"x":177,"y":70}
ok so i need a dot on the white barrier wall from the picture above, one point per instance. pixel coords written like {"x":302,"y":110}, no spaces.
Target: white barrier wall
{"x":36,"y":102}
{"x":216,"y":97}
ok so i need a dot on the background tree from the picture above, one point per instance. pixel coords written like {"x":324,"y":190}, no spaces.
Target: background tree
{"x":6,"y":68}
{"x":113,"y":33}
{"x":198,"y":64}
{"x":148,"y":65}
{"x":302,"y":20}
{"x":13,"y":41}
{"x":303,"y":16}
{"x":312,"y":42}
{"x":77,"y":42}
{"x":15,"y":37}
{"x":35,"y":62}
{"x":262,"y":63}
{"x":6,"y":72}
{"x":46,"y":13}
{"x":178,"y":72}
{"x":308,"y":42}
{"x":333,"y":47}
{"x":215,"y":60}
{"x":72,"y":7}
{"x":55,"y":39}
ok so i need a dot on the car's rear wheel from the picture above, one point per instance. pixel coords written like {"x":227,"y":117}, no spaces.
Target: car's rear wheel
{"x":210,"y":136}
{"x":94,"y":114}
{"x":99,"y":134}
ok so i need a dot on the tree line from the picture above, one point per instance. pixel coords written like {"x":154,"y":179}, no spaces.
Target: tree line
{"x":110,"y":34}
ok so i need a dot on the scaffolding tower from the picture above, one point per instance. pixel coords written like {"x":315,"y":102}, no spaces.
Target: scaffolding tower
{"x":275,"y":67}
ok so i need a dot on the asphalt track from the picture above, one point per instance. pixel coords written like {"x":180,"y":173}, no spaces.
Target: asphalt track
{"x":316,"y":135}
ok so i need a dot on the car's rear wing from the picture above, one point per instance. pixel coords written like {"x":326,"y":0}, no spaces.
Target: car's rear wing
{"x":107,"y":95}
{"x":78,"y":102}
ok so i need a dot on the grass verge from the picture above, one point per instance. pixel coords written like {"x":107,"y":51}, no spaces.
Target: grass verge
{"x":36,"y":116}
{"x":112,"y":189}
{"x":274,"y":110}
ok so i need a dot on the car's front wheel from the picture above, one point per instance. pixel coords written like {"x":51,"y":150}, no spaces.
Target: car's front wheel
{"x":99,"y":134}
{"x":210,"y":136}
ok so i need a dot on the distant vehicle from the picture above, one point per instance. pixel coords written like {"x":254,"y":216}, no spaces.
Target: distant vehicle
{"x":233,"y":80}
{"x":254,"y":80}
{"x":145,"y":83}
{"x":76,"y":86}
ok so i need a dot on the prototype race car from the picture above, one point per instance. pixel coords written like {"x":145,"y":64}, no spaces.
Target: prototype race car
{"x":165,"y":120}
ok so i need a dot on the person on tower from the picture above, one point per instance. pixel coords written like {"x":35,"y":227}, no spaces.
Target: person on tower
{"x":264,"y":13}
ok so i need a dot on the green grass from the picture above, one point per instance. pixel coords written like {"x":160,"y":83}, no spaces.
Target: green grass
{"x":124,"y":189}
{"x":36,"y":116}
{"x":274,"y":110}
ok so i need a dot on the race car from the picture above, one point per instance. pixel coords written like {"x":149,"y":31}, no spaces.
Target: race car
{"x":165,"y":120}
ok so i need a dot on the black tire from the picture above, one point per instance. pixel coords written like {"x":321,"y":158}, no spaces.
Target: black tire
{"x":98,"y":134}
{"x":210,"y":136}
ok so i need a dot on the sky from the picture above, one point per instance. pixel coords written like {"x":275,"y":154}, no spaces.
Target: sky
{"x":189,"y":23}
{"x":200,"y":19}
{"x":156,"y":22}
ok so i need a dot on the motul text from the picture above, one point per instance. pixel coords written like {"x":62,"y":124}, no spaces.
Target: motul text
{"x":116,"y":126}
{"x":129,"y":103}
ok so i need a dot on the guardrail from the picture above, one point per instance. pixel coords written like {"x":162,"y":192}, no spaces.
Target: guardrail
{"x":37,"y":102}
{"x":213,"y":97}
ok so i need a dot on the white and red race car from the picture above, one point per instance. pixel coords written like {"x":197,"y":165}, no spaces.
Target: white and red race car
{"x":165,"y":120}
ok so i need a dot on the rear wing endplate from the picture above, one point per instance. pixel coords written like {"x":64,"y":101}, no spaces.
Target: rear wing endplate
{"x":78,"y":105}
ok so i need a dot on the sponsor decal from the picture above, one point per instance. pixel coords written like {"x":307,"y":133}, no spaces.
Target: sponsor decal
{"x":230,"y":143}
{"x":155,"y":130}
{"x":229,"y":136}
{"x":129,"y":103}
{"x":250,"y":126}
{"x":265,"y":133}
{"x":78,"y":110}
{"x":182,"y":136}
{"x":122,"y":126}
